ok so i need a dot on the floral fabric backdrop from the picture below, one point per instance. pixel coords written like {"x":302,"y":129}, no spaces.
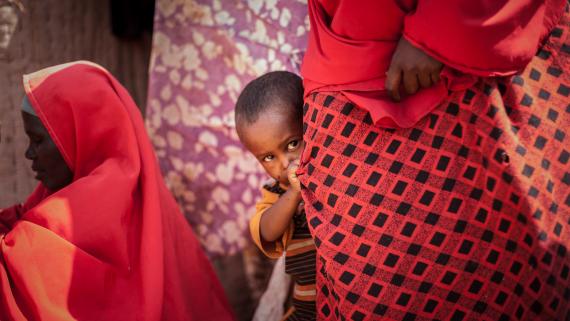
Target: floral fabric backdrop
{"x":204,"y":53}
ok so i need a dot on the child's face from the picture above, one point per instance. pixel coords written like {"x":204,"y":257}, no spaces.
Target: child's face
{"x":276,"y":140}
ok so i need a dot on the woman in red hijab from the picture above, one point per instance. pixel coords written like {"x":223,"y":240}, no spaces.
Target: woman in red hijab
{"x":436,"y":174}
{"x":100,"y":238}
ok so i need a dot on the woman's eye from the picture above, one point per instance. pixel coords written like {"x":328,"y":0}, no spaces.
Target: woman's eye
{"x":268,"y":158}
{"x":292,"y":145}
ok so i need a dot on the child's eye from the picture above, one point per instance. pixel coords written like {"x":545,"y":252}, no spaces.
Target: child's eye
{"x":292,"y":145}
{"x":268,"y":158}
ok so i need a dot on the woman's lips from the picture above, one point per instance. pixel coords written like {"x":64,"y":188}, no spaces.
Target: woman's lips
{"x":39,"y":173}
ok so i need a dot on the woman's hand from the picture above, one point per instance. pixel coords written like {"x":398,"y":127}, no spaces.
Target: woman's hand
{"x":412,"y":68}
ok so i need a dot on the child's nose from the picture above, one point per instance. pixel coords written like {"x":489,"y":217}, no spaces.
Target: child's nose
{"x":285,"y":162}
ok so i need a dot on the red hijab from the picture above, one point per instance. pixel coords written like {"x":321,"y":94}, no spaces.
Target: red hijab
{"x":112,"y":245}
{"x":351,"y":46}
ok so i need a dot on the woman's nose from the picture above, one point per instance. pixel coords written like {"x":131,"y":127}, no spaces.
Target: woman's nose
{"x":30,"y":153}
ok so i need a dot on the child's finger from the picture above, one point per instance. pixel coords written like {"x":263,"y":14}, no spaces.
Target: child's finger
{"x":291,"y":172}
{"x":294,"y":163}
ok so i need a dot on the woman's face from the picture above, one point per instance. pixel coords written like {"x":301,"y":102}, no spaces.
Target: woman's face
{"x":50,"y":167}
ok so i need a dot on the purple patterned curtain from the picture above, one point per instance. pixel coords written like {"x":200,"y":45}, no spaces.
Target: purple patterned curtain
{"x":204,"y":53}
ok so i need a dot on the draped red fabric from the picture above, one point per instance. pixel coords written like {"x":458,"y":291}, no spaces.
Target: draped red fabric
{"x":351,"y":46}
{"x":112,"y":245}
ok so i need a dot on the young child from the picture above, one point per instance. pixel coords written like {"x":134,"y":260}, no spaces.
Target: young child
{"x":268,"y":117}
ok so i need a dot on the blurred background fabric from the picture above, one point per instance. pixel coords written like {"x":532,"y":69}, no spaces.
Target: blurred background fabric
{"x":203,"y":54}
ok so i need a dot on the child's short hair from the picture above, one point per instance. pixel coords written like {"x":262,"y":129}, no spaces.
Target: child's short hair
{"x":272,"y":88}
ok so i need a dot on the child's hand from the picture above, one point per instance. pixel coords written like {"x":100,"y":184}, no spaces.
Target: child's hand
{"x":292,"y":176}
{"x":411,"y":67}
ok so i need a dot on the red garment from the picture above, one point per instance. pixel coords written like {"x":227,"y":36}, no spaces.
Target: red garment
{"x":464,"y":216}
{"x":351,"y":46}
{"x":112,"y":245}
